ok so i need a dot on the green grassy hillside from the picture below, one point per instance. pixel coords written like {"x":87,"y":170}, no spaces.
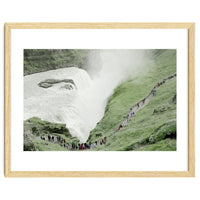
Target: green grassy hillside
{"x":154,"y":126}
{"x":41,"y":60}
{"x":35,"y":128}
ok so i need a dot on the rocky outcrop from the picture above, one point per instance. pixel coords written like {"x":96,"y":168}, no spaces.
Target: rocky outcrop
{"x":36,"y":126}
{"x":167,"y":130}
{"x":161,"y":109}
{"x":29,"y":146}
{"x":50,"y":82}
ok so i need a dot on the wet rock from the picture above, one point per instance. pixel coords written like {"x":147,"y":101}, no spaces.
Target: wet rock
{"x":50,"y":82}
{"x":68,"y":87}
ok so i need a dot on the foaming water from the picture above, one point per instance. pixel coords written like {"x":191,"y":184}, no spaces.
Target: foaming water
{"x":81,"y":108}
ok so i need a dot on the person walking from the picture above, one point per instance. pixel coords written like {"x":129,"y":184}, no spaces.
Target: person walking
{"x":120,"y":126}
{"x":154,"y":92}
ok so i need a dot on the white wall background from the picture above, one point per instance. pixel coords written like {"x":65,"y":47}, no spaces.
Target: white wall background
{"x":102,"y":11}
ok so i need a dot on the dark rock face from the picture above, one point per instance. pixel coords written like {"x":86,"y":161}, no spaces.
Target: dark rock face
{"x":50,"y":82}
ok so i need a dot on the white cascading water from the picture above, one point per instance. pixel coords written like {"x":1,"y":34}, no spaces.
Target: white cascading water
{"x":81,"y":108}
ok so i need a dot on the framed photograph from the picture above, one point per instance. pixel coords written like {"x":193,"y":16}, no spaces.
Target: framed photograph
{"x":99,"y":99}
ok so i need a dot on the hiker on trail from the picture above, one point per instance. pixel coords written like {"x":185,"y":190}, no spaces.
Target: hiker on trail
{"x":102,"y":141}
{"x":52,"y":138}
{"x":158,"y":84}
{"x":143,"y":100}
{"x":85,"y":146}
{"x":95,"y":145}
{"x":174,"y":74}
{"x":170,"y":77}
{"x":153,"y":92}
{"x":73,"y":145}
{"x":138,"y":105}
{"x":120,"y":126}
{"x":161,"y":83}
{"x":64,"y":140}
{"x":58,"y":138}
{"x":42,"y":138}
{"x":49,"y":137}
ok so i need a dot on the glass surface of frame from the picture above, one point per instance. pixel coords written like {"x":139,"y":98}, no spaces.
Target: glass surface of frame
{"x":81,"y":100}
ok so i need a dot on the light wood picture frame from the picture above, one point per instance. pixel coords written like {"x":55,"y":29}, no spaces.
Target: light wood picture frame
{"x":191,"y":100}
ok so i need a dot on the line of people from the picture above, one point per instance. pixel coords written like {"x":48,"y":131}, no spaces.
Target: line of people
{"x":90,"y":145}
{"x":153,"y":92}
{"x":74,"y":145}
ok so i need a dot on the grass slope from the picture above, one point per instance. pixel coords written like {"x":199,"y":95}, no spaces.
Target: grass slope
{"x":148,"y":130}
{"x":40,"y":60}
{"x":35,"y":127}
